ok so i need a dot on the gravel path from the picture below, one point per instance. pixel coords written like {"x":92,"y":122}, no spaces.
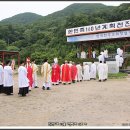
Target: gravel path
{"x":90,"y":102}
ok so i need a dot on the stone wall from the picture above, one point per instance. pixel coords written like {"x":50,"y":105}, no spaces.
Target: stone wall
{"x":112,"y":67}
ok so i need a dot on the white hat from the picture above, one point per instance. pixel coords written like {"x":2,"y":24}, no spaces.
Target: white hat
{"x":55,"y":60}
{"x":101,"y":53}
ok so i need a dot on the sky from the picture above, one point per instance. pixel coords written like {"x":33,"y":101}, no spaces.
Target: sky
{"x":11,"y":8}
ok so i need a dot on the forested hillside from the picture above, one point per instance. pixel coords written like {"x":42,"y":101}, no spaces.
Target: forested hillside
{"x":23,"y":18}
{"x":46,"y":37}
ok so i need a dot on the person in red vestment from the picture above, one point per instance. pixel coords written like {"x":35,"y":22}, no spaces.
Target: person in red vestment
{"x":73,"y":72}
{"x":70,"y":65}
{"x":55,"y":77}
{"x":61,"y":72}
{"x":30,"y":73}
{"x":65,"y":73}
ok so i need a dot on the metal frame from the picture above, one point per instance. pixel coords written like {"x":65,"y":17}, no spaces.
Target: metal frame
{"x":4,"y":53}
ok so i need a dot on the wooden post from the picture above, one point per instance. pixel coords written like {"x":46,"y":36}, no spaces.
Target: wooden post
{"x":89,"y":51}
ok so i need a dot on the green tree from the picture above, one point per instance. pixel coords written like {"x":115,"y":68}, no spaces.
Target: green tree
{"x":3,"y":45}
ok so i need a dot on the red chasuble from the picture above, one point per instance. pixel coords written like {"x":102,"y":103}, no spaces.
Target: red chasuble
{"x":55,"y":77}
{"x":73,"y":72}
{"x":29,"y":75}
{"x":65,"y":73}
{"x":30,"y":71}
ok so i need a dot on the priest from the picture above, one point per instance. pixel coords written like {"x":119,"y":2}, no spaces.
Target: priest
{"x":93,"y":70}
{"x":8,"y":79}
{"x":23,"y":81}
{"x":46,"y":74}
{"x":70,"y":67}
{"x":30,"y":72}
{"x":86,"y":72}
{"x":100,"y":69}
{"x":73,"y":72}
{"x":79,"y":72}
{"x":65,"y":73}
{"x":55,"y":77}
{"x":105,"y":71}
{"x":35,"y":69}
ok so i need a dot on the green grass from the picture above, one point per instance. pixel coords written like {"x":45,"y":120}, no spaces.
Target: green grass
{"x":117,"y":76}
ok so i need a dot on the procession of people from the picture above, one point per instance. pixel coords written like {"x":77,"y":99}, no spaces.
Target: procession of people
{"x":67,"y":73}
{"x":54,"y":74}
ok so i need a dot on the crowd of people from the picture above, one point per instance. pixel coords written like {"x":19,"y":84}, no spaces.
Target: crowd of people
{"x":83,"y":54}
{"x":54,"y":74}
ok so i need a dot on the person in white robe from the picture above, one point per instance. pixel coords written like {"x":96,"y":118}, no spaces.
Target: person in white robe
{"x":46,"y":74}
{"x":13,"y":64}
{"x":78,"y":54}
{"x":106,"y":53}
{"x":117,"y":57}
{"x":118,"y":51}
{"x":1,"y":77}
{"x":23,"y":81}
{"x":101,"y":57}
{"x":8,"y":79}
{"x":35,"y":69}
{"x":100,"y":69}
{"x":86,"y":72}
{"x":121,"y":52}
{"x":93,"y":70}
{"x":83,"y":54}
{"x":79,"y":72}
{"x":121,"y":60}
{"x":105,"y":71}
{"x":94,"y":54}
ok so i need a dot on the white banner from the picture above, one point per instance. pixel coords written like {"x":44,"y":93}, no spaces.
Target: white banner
{"x":99,"y":36}
{"x":112,"y":26}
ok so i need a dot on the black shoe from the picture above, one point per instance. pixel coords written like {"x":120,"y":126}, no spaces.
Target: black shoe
{"x":36,"y":87}
{"x":64,"y":83}
{"x":48,"y":88}
{"x":10,"y":94}
{"x":99,"y":80}
{"x":73,"y":81}
{"x":23,"y":95}
{"x":29,"y":90}
{"x":43,"y":88}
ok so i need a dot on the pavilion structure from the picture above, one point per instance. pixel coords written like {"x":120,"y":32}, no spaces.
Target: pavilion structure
{"x":94,"y":36}
{"x":9,"y":54}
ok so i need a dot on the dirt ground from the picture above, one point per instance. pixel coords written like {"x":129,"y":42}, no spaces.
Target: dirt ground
{"x":91,"y":103}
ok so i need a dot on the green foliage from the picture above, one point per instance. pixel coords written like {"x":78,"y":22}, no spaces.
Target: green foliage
{"x":126,"y":62}
{"x":12,"y":48}
{"x":3,"y":45}
{"x":23,"y":18}
{"x":44,"y":37}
